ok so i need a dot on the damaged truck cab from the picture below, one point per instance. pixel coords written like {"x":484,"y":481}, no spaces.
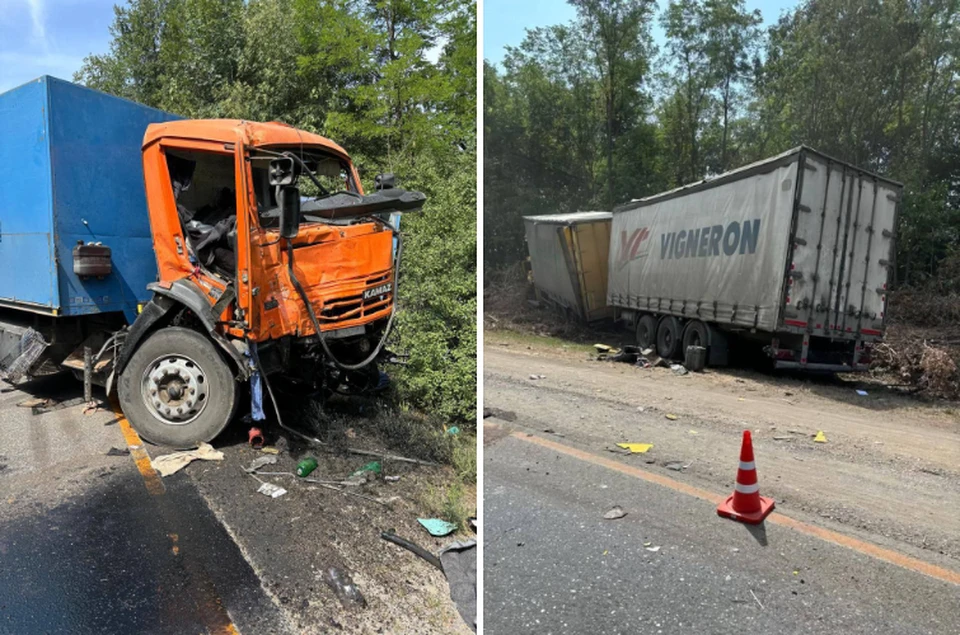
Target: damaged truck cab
{"x":270,"y":263}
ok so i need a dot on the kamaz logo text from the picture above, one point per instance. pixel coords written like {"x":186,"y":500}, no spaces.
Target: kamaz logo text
{"x":630,"y":248}
{"x":711,"y":241}
{"x":383,"y":289}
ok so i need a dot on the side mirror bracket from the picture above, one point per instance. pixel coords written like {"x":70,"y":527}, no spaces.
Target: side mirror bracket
{"x":289,"y":211}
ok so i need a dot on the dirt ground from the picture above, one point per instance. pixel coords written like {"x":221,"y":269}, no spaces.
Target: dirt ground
{"x":889,"y":471}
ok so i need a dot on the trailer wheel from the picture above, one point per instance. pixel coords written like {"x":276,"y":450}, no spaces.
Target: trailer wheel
{"x":177,"y":390}
{"x":695,"y":334}
{"x":668,"y":337}
{"x":647,"y":332}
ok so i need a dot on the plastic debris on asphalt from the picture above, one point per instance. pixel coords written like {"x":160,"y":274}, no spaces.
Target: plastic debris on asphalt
{"x":653,"y":549}
{"x":535,"y":377}
{"x":671,"y":417}
{"x":862,"y":393}
{"x":172,"y":463}
{"x":269,"y":449}
{"x":679,"y":369}
{"x":676,"y":466}
{"x":635,"y":448}
{"x":260,"y":461}
{"x":271,"y":490}
{"x":437,"y":527}
{"x":821,"y":437}
{"x":615,"y":513}
{"x":391,"y":479}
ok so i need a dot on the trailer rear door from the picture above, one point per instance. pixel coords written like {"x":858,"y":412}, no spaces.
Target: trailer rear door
{"x":842,"y":250}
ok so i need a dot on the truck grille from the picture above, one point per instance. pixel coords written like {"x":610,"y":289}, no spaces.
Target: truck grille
{"x":355,"y":307}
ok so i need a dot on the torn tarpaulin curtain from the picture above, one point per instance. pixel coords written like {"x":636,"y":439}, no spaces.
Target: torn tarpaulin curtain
{"x":256,"y":388}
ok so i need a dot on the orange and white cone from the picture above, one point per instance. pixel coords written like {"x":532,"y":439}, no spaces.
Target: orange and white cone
{"x":745,"y":504}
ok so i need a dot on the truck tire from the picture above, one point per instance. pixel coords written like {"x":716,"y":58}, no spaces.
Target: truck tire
{"x":647,"y":332}
{"x":668,"y":337}
{"x":177,"y":390}
{"x":695,"y":333}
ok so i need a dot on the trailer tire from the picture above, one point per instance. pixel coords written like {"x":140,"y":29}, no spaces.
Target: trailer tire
{"x":647,"y":332}
{"x":695,"y":333}
{"x":177,"y":390}
{"x":668,"y":337}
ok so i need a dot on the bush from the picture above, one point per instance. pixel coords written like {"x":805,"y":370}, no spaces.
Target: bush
{"x":437,"y":316}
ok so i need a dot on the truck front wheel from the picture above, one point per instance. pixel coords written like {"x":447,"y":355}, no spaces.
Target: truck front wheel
{"x":177,"y":390}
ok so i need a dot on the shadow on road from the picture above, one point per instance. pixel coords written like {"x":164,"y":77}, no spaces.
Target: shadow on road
{"x":759,"y":533}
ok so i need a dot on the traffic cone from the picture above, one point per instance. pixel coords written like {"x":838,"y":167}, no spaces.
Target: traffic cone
{"x":745,"y":504}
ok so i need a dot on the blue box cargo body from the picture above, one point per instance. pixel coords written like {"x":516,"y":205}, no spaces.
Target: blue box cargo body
{"x":72,"y":171}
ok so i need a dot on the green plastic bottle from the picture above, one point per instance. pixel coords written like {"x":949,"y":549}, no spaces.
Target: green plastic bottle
{"x":305,"y":466}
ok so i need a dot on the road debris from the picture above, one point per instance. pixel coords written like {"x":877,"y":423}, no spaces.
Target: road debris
{"x":459,"y":561}
{"x":635,"y":448}
{"x":255,"y":438}
{"x":269,"y":449}
{"x":118,"y":451}
{"x":453,"y":430}
{"x":261,"y":461}
{"x":437,"y":526}
{"x":760,"y":604}
{"x":306,"y":466}
{"x":679,"y":369}
{"x":33,"y":402}
{"x":271,"y":490}
{"x":782,"y":438}
{"x":820,"y":437}
{"x":172,"y":463}
{"x":344,"y":588}
{"x":536,"y":377}
{"x":653,"y":549}
{"x":615,"y":513}
{"x":862,"y":393}
{"x":676,"y":466}
{"x":671,"y":417}
{"x":412,"y":547}
{"x":391,"y":479}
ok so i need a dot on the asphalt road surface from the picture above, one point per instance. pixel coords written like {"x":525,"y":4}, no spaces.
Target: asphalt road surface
{"x":553,"y":564}
{"x":94,"y":541}
{"x":865,"y":539}
{"x":88,"y":545}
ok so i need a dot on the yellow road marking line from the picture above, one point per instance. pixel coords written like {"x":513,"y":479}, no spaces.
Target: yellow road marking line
{"x":210,"y":605}
{"x":776,"y":518}
{"x":150,"y":477}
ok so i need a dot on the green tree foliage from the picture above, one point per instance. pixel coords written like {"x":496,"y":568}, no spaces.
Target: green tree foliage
{"x":872,"y":82}
{"x":393,"y":81}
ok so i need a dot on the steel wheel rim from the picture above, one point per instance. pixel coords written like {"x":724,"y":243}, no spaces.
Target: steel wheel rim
{"x":174,"y":389}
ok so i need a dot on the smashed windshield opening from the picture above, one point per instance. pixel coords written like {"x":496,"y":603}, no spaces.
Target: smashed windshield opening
{"x":332,"y":172}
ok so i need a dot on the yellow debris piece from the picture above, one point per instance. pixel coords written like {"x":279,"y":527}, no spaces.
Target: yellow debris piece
{"x":820,"y":438}
{"x":635,"y":448}
{"x":672,"y":417}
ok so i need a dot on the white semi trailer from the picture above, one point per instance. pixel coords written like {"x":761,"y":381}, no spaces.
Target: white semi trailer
{"x":795,"y":252}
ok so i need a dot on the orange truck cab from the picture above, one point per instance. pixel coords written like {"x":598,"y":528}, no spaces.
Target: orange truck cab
{"x":188,"y":266}
{"x":272,"y":264}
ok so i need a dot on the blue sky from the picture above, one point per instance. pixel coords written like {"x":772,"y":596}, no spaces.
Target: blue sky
{"x":505,"y":21}
{"x":50,"y":37}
